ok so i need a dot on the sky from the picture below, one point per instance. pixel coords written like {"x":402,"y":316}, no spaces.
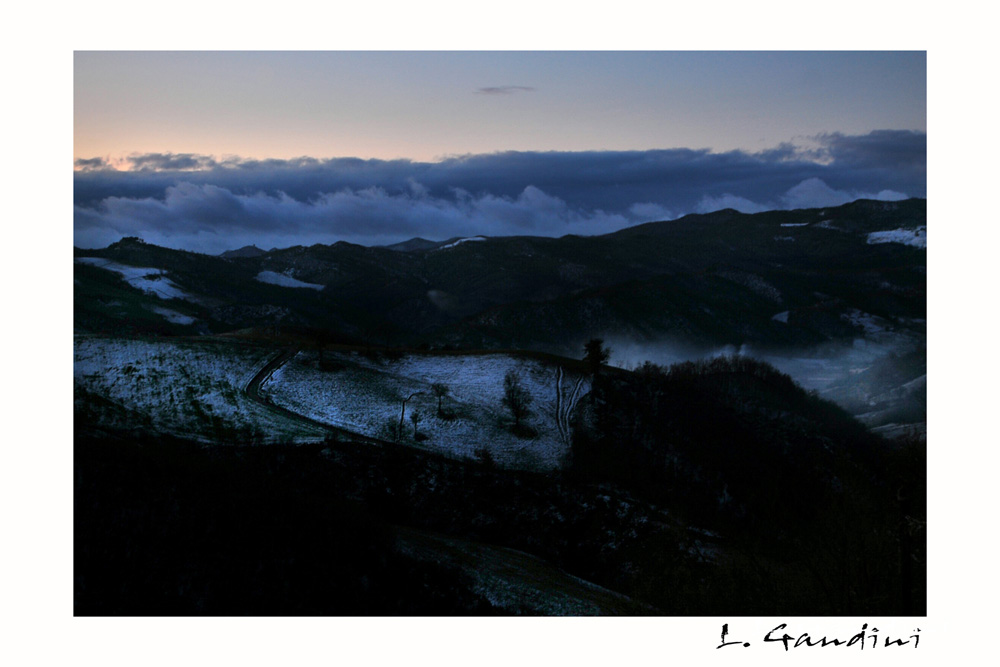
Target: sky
{"x":210,"y":151}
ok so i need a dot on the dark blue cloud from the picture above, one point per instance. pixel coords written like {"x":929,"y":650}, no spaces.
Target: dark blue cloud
{"x":172,"y":161}
{"x":193,"y":201}
{"x":882,"y":149}
{"x":91,"y":163}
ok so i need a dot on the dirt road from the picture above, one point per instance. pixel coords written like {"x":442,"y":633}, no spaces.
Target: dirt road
{"x":253,"y":391}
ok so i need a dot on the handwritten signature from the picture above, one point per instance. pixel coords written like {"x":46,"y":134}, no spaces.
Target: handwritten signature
{"x":790,"y":641}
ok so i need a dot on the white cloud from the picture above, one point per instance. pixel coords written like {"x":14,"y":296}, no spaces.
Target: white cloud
{"x":890,"y":195}
{"x":741,"y":204}
{"x":649,"y":212}
{"x":814,"y":193}
{"x":810,"y":193}
{"x":213,"y":219}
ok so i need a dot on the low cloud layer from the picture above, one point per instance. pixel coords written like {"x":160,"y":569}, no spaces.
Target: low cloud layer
{"x":213,"y":219}
{"x":810,"y":193}
{"x":210,"y":204}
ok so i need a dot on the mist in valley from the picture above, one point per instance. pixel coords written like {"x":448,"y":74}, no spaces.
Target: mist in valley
{"x":881,"y":379}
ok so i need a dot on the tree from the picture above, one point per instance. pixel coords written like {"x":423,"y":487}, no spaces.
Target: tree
{"x":515,"y":397}
{"x":596,"y":354}
{"x":440,"y":390}
{"x":415,"y":417}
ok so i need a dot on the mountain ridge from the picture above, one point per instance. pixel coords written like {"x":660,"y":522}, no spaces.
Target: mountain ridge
{"x":769,"y":279}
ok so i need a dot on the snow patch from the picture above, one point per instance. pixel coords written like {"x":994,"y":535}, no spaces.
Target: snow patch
{"x":174,"y":317}
{"x":460,"y":241}
{"x":795,"y":224}
{"x":284,"y":280}
{"x":151,"y":281}
{"x":912,"y":237}
{"x":781,"y":317}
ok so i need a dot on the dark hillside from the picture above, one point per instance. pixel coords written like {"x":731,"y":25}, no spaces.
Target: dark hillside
{"x":716,"y":488}
{"x":733,"y":445}
{"x":649,"y":280}
{"x":164,"y":528}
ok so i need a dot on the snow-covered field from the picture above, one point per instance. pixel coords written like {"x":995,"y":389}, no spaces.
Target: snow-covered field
{"x":914,"y":237}
{"x":183,"y":387}
{"x":366,"y":396}
{"x":151,"y":281}
{"x":194,"y":388}
{"x":174,"y":317}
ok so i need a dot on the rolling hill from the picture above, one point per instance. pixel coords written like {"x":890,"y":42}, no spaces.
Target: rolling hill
{"x":772,"y":279}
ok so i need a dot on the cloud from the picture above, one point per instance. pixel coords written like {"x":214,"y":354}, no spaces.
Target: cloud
{"x":881,"y":149}
{"x":202,"y":200}
{"x":214,"y":219}
{"x":162,"y":161}
{"x":90,"y":163}
{"x":504,"y":90}
{"x":648,"y":212}
{"x":814,"y":193}
{"x":810,"y":193}
{"x":154,"y":162}
{"x":741,"y":204}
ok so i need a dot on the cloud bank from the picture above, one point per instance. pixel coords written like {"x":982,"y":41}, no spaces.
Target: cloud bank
{"x":213,"y":204}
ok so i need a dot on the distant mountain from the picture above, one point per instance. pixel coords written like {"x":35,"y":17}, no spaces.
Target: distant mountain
{"x":245,"y":251}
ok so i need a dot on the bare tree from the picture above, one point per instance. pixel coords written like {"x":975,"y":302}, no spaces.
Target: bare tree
{"x":515,"y":397}
{"x":440,"y":390}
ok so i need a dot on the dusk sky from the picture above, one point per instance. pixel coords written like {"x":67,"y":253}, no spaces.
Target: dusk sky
{"x":214,"y":150}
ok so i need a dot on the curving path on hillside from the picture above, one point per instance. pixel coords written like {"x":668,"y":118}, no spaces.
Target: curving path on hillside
{"x":252,"y":390}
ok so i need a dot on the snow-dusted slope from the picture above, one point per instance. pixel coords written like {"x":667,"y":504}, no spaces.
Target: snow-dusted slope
{"x":151,"y":281}
{"x":366,"y":396}
{"x":174,"y":317}
{"x":914,"y":237}
{"x":190,"y":388}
